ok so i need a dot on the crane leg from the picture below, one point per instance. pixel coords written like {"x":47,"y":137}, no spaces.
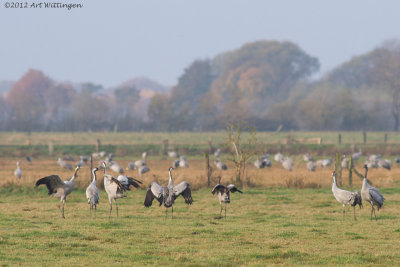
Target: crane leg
{"x":225,"y":209}
{"x":116,"y":206}
{"x":95,"y":210}
{"x":63,"y":209}
{"x":374,"y":213}
{"x":344,"y":210}
{"x":109,"y":216}
{"x":220,"y":213}
{"x":354,"y":210}
{"x":372,"y":209}
{"x":172,"y":207}
{"x":166,"y":212}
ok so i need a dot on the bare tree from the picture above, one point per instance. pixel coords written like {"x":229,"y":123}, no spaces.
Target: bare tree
{"x":242,"y":147}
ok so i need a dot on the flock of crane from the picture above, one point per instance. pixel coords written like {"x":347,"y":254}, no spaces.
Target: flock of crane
{"x":115,"y":187}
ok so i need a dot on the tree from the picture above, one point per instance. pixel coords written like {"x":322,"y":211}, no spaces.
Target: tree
{"x":387,"y":70}
{"x":27,"y":100}
{"x":242,"y":148}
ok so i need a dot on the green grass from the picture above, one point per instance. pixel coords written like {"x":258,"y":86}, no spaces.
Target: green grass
{"x":273,"y":226}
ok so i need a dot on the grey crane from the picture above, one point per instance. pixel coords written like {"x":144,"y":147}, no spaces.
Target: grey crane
{"x":345,"y":162}
{"x":356,"y":155}
{"x":308,"y":157}
{"x":64,"y":164}
{"x":182,"y":162}
{"x":92,"y":193}
{"x":29,"y":159}
{"x":371,"y":194}
{"x":220,"y":165}
{"x":223,"y":194}
{"x":59,"y":188}
{"x":135,"y":165}
{"x":18,"y":172}
{"x":116,"y":167}
{"x":173,"y":154}
{"x":115,"y":187}
{"x":278,"y":157}
{"x":84,"y":158}
{"x":217,"y":153}
{"x":324,"y":162}
{"x":142,"y":170}
{"x":288,"y":163}
{"x":259,"y":164}
{"x":311,"y":166}
{"x":175,"y":164}
{"x":346,"y":197}
{"x":167,"y":195}
{"x":385,"y":164}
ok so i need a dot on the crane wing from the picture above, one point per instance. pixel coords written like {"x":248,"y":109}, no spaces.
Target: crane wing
{"x":154,"y":191}
{"x":376,"y":196}
{"x":233,"y":188}
{"x":52,"y":182}
{"x":218,"y":187}
{"x":128,"y":181}
{"x":121,"y":187}
{"x":184,"y":190}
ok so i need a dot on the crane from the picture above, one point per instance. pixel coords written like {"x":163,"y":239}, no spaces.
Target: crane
{"x":371,"y":194}
{"x":64,"y":164}
{"x":18,"y":172}
{"x":59,"y":188}
{"x":92,"y":193}
{"x":115,"y":187}
{"x":346,"y":197}
{"x":223,"y":194}
{"x":220,"y":165}
{"x":167,"y":195}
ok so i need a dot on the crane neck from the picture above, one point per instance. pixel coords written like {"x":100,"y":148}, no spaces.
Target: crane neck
{"x":170,"y":183}
{"x":94,"y":174}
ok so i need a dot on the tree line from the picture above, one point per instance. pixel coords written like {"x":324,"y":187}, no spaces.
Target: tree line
{"x":264,"y":84}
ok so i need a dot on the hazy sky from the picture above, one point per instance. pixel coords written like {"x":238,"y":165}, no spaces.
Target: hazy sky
{"x":109,"y":41}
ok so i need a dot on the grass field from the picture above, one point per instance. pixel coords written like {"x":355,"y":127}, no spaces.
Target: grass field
{"x":283,"y":218}
{"x":271,"y":226}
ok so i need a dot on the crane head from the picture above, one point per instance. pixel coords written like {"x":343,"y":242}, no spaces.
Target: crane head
{"x":170,"y":169}
{"x":365,"y":166}
{"x":95,"y":169}
{"x":333,"y":173}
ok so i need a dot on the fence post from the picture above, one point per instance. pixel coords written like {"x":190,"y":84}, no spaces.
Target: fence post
{"x":365,"y":137}
{"x":98,"y":144}
{"x":338,"y":168}
{"x":350,"y":170}
{"x":210,"y":147}
{"x":51,"y":148}
{"x":164,"y":150}
{"x":340,"y":139}
{"x":386,"y":138}
{"x":208,"y":169}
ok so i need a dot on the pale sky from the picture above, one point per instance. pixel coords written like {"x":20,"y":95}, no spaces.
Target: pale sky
{"x":110,"y":41}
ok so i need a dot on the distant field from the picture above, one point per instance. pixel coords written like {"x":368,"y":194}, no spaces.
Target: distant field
{"x":194,"y":144}
{"x":187,"y":138}
{"x":270,"y":226}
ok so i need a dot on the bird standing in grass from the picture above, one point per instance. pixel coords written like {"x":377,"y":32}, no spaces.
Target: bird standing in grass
{"x":371,"y":194}
{"x":167,"y":195}
{"x":18,"y":172}
{"x":92,"y":193}
{"x":59,"y":188}
{"x":223,"y":194}
{"x":346,"y":197}
{"x":115,"y":187}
